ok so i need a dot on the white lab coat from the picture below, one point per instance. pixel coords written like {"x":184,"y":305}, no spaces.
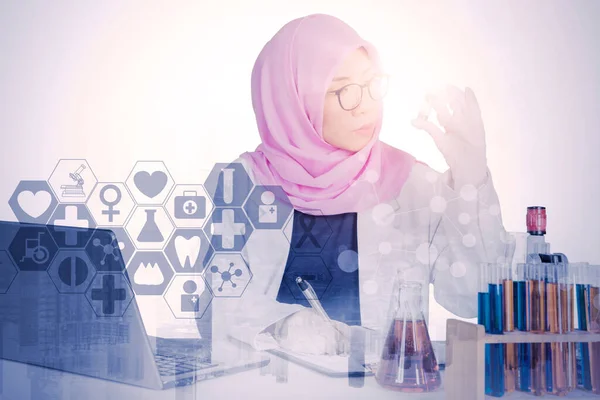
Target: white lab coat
{"x":394,"y":235}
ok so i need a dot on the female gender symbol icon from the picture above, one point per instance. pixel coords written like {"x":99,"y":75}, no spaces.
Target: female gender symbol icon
{"x":110,"y":204}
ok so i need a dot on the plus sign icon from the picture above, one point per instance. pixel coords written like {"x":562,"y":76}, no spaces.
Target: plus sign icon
{"x":268,"y":207}
{"x":189,"y":205}
{"x":228,"y":229}
{"x":72,"y":225}
{"x":109,"y":295}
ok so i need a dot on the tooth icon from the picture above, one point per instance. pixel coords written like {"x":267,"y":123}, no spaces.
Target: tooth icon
{"x":187,"y":249}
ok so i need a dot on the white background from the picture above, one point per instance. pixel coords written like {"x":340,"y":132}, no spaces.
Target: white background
{"x":116,"y":82}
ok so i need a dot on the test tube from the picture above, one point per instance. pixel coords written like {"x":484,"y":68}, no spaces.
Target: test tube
{"x":537,"y":316}
{"x":491,"y":316}
{"x":594,"y":326}
{"x":556,"y":360}
{"x":510,"y":355}
{"x":584,"y":379}
{"x":566,"y":285}
{"x":522,"y":324}
{"x":483,"y":317}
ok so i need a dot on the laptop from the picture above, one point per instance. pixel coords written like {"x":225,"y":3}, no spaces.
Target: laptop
{"x":56,"y":312}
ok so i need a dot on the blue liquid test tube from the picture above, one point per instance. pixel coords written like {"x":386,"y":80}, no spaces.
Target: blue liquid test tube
{"x":522,"y":324}
{"x":582,"y":292}
{"x":491,"y":314}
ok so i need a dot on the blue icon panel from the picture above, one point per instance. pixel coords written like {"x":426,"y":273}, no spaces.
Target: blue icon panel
{"x":72,"y":271}
{"x":33,"y":202}
{"x":268,"y":207}
{"x":189,"y":250}
{"x":149,"y":273}
{"x":228,"y":185}
{"x":110,"y":249}
{"x":309,"y":233}
{"x":109,"y":295}
{"x":72,"y":225}
{"x":229,"y":275}
{"x":228,"y":229}
{"x":33,"y":248}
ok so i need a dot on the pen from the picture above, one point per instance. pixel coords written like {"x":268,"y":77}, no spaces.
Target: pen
{"x":310,"y":295}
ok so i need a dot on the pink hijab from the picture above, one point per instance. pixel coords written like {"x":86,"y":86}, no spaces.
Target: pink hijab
{"x":289,"y":80}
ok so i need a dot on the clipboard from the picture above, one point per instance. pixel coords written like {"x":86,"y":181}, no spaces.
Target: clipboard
{"x":332,"y":366}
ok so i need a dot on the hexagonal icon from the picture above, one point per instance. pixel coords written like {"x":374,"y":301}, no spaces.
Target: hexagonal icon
{"x":189,"y":250}
{"x":230,"y":275}
{"x":228,"y":185}
{"x":71,"y":225}
{"x":188,"y":296}
{"x":189,"y":206}
{"x":33,"y":248}
{"x":109,"y":295}
{"x":8,"y":271}
{"x":110,"y":249}
{"x":110,"y":204}
{"x":72,"y":271}
{"x":33,"y":202}
{"x":72,"y":181}
{"x":8,"y":230}
{"x":150,"y":183}
{"x":150,"y":228}
{"x":228,"y":229}
{"x":268,"y":207}
{"x":149,"y":272}
{"x":312,"y":269}
{"x":309,"y":232}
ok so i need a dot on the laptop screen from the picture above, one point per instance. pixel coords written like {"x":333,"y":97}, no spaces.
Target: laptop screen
{"x":72,"y":305}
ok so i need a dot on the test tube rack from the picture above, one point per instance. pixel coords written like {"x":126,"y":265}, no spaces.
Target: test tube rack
{"x":464,"y":376}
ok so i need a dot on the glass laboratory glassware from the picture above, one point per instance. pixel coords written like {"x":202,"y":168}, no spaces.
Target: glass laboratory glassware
{"x":566,"y":279}
{"x":537,"y":317}
{"x":408,"y":363}
{"x":594,"y":326}
{"x":510,"y":349}
{"x":491,"y":315}
{"x":582,"y":291}
{"x":556,"y":353}
{"x":522,"y":323}
{"x":150,"y":231}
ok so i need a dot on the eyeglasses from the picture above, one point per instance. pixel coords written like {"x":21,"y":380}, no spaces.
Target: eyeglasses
{"x":350,"y":96}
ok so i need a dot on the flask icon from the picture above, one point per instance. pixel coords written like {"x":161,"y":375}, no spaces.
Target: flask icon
{"x":407,"y":362}
{"x":150,"y":231}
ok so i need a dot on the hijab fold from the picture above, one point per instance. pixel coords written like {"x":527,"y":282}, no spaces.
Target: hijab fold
{"x":289,"y":81}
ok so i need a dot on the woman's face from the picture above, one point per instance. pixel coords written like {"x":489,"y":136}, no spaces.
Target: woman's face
{"x":351,"y":130}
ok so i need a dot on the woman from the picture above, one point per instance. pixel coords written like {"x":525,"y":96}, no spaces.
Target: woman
{"x":368,"y":210}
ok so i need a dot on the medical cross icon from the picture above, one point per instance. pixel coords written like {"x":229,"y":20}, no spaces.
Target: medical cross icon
{"x":108,"y":294}
{"x":228,"y":229}
{"x":70,"y":222}
{"x":190,"y":207}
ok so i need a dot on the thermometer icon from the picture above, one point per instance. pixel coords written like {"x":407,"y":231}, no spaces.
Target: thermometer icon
{"x":228,"y":185}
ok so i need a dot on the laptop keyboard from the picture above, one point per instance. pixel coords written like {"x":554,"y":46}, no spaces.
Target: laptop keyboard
{"x":176,"y":364}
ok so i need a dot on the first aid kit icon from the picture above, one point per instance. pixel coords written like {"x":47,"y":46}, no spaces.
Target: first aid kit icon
{"x":190,"y":206}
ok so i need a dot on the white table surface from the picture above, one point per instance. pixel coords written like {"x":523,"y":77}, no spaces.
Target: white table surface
{"x":20,"y":382}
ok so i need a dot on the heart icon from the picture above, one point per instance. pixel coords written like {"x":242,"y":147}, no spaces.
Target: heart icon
{"x":150,"y":184}
{"x":34,"y":204}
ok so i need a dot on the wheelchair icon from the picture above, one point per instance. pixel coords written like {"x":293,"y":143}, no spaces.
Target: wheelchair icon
{"x":35,"y":251}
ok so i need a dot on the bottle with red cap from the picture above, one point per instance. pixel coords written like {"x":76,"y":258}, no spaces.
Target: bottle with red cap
{"x":537,"y":248}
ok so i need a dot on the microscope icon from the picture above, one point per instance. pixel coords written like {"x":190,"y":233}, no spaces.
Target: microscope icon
{"x":77,"y":189}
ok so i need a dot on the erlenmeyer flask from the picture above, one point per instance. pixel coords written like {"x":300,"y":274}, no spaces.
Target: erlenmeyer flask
{"x":150,"y":231}
{"x":408,"y":363}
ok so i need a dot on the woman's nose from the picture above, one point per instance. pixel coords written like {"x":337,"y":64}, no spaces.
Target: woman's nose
{"x":367,"y":105}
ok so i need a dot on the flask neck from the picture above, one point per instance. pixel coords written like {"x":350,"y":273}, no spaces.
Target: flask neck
{"x":410,"y":302}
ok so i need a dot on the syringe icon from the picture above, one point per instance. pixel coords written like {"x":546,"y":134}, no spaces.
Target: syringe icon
{"x":228,"y":185}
